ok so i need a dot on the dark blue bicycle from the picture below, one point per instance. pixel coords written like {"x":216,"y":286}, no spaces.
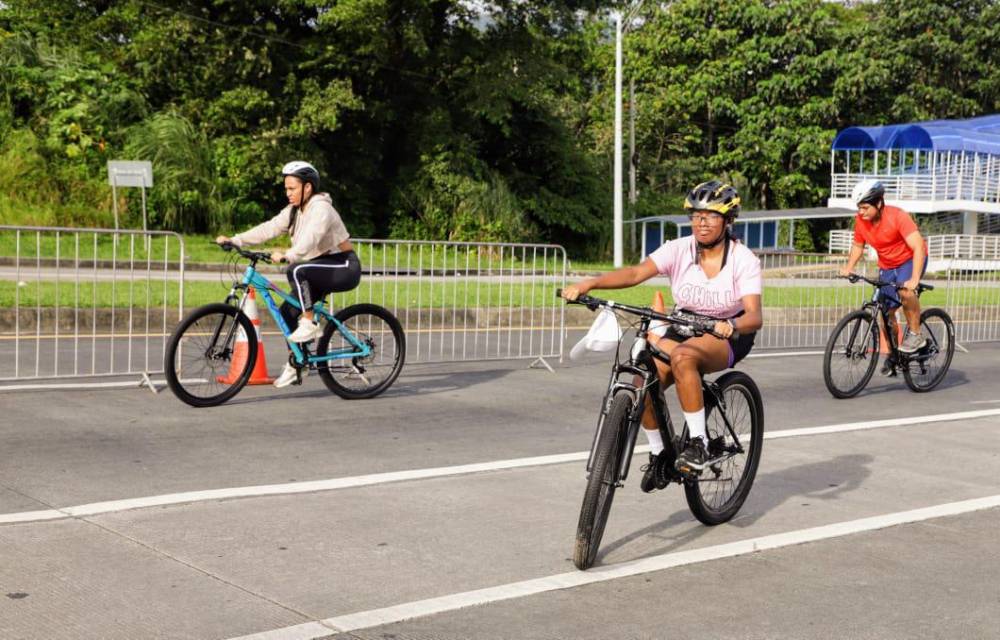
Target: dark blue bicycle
{"x":212,"y":352}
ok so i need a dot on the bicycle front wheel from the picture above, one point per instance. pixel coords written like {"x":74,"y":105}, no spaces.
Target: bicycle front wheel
{"x":356,"y":378}
{"x":851,"y":354}
{"x":926,"y":369}
{"x":602,"y":482}
{"x":210,"y":355}
{"x":718,"y":494}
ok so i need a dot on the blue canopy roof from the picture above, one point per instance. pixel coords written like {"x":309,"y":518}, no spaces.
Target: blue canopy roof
{"x":980,"y":135}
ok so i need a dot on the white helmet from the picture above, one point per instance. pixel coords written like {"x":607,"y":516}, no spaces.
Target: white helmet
{"x":869,"y":191}
{"x":303,"y":171}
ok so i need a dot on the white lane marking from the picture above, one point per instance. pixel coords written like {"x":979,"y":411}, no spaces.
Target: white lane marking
{"x":97,"y":508}
{"x":111,"y":506}
{"x":881,"y":424}
{"x":510,"y":591}
{"x":782,"y":354}
{"x":32,"y":516}
{"x":298,"y":632}
{"x":87,"y":385}
{"x":90,"y":385}
{"x":984,"y":401}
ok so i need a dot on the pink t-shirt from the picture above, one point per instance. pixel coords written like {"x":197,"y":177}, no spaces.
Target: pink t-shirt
{"x":719,"y":297}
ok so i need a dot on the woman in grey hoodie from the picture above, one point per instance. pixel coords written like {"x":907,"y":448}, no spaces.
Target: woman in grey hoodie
{"x":322,"y":259}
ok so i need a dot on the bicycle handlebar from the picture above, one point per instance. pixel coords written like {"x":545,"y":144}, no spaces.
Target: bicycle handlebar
{"x":698,"y":324}
{"x":855,"y":277}
{"x":250,"y":255}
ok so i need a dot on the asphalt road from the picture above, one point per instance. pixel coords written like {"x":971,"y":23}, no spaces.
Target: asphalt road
{"x":484,"y":552}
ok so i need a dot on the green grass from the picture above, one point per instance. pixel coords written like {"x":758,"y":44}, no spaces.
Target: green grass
{"x":202,"y":249}
{"x":413,"y":295}
{"x":389,"y":293}
{"x":86,"y":247}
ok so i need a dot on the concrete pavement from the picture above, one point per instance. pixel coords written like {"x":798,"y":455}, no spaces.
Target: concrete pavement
{"x":223,"y":569}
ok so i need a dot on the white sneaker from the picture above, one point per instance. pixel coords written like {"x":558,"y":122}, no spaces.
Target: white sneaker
{"x":306,"y":331}
{"x":289,"y":376}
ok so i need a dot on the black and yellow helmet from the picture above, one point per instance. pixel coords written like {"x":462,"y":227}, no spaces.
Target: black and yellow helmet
{"x":714,"y":196}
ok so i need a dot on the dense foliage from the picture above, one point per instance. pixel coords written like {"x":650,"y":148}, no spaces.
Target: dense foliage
{"x":461,"y":120}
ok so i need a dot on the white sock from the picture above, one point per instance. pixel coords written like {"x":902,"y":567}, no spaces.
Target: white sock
{"x":696,"y":425}
{"x":655,"y":440}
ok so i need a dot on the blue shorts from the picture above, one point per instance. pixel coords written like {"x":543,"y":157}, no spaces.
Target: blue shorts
{"x":899,"y":276}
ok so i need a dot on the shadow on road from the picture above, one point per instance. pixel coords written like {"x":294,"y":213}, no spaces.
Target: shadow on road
{"x":825,"y":480}
{"x":408,"y":384}
{"x":954,"y":378}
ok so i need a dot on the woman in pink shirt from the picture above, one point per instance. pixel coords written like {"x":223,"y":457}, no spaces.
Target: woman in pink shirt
{"x":713,"y":274}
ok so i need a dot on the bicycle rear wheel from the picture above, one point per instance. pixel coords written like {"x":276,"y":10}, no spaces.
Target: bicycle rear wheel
{"x":602,"y":482}
{"x":210,"y":355}
{"x":357,"y":378}
{"x":851,"y":354}
{"x":926,"y":369}
{"x":717,"y":495}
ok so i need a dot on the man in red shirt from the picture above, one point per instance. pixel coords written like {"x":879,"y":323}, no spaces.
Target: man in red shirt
{"x":902,"y":255}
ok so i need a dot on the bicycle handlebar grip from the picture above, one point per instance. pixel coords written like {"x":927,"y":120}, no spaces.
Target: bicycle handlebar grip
{"x":558,"y":293}
{"x":226,"y":246}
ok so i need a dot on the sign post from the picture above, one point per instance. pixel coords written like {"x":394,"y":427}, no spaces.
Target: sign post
{"x":130,"y":173}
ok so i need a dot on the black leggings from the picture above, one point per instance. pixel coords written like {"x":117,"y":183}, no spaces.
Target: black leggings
{"x":314,"y":280}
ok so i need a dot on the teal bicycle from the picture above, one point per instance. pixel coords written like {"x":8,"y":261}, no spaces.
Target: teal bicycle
{"x":212,"y":352}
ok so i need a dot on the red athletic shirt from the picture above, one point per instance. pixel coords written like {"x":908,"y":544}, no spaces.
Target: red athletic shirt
{"x":888,"y":236}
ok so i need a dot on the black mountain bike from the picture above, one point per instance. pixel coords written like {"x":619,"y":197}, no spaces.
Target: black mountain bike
{"x":735,"y":420}
{"x":853,"y":348}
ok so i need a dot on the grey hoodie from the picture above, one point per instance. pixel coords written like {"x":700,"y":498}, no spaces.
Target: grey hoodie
{"x":318,"y":230}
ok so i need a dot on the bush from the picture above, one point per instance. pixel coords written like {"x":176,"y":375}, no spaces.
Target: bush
{"x":444,"y":202}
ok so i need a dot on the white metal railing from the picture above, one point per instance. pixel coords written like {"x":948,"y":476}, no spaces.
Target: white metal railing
{"x":464,"y":301}
{"x":82,"y":303}
{"x":900,"y":187}
{"x":970,"y":178}
{"x":841,"y":241}
{"x":803,"y":299}
{"x":93,"y":302}
{"x":964,"y":246}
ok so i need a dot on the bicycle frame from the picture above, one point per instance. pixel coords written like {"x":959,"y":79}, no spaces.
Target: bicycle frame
{"x":252,"y":278}
{"x":878,"y":306}
{"x":641,"y":363}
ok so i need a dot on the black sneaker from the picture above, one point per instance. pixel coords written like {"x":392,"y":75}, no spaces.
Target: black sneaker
{"x":888,"y":367}
{"x":691,"y":461}
{"x":655,"y":476}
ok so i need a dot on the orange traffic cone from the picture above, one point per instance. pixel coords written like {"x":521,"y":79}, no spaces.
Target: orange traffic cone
{"x":240,"y":351}
{"x":657,"y":327}
{"x":883,"y":341}
{"x":658,"y":305}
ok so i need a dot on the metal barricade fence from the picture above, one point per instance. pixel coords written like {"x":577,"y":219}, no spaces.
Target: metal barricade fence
{"x":86,"y":303}
{"x":464,"y":301}
{"x":82,"y":303}
{"x":803,"y":300}
{"x":972,"y":266}
{"x":973,"y":299}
